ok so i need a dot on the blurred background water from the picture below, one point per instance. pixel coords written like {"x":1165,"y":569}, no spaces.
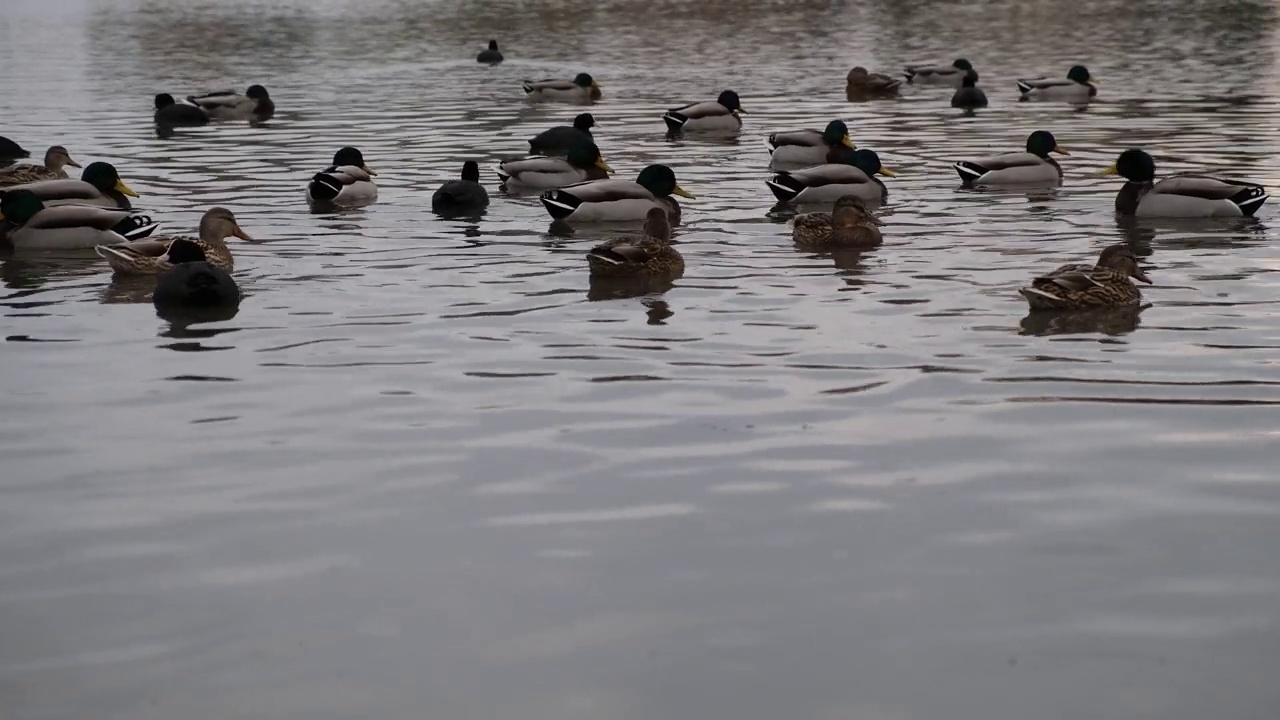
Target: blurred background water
{"x":427,"y":472}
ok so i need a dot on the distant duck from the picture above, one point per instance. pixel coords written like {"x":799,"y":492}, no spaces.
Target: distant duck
{"x":254,"y":105}
{"x":1033,"y":167}
{"x":29,"y":224}
{"x":807,"y":147}
{"x":952,"y":74}
{"x":150,"y":256}
{"x":99,"y":185}
{"x":492,"y":55}
{"x":1076,"y":88}
{"x":461,"y":197}
{"x":10,"y":150}
{"x":191,"y":282}
{"x":718,"y":115}
{"x":178,"y":114}
{"x":347,"y":182}
{"x":559,"y":139}
{"x":846,"y":172}
{"x":581,"y":90}
{"x":544,"y":173}
{"x":969,"y":96}
{"x":848,"y":225}
{"x":648,"y":255}
{"x":1187,"y":195}
{"x":55,"y":159}
{"x":861,"y":82}
{"x":1083,"y":287}
{"x":617,"y":200}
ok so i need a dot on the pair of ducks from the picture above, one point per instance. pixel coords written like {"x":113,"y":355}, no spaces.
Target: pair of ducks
{"x":254,"y":105}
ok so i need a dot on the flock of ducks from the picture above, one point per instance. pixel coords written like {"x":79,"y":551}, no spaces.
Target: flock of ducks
{"x":41,"y":207}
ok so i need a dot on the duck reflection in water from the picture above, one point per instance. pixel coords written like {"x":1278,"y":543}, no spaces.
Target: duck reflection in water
{"x":1109,"y":321}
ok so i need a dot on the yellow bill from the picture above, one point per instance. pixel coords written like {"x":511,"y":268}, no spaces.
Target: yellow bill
{"x":600,"y":163}
{"x":125,"y":189}
{"x":1113,"y":170}
{"x":886,"y":171}
{"x":1060,"y":150}
{"x":368,"y":169}
{"x":682,"y":192}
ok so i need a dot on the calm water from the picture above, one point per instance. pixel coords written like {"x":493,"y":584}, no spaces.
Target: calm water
{"x":426,"y":472}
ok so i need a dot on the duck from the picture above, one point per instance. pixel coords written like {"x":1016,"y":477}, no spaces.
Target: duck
{"x":345,"y":183}
{"x":808,"y":147}
{"x":10,"y":150}
{"x":173,"y":113}
{"x":464,"y":196}
{"x":720,"y":114}
{"x":255,"y":104}
{"x":861,"y":82}
{"x":150,"y":256}
{"x":1187,"y":195}
{"x":55,"y":159}
{"x":1077,"y":88}
{"x":617,"y":200}
{"x":648,"y":255}
{"x":559,"y":139}
{"x":846,"y":172}
{"x":1081,"y":287}
{"x":99,"y":185}
{"x":952,"y":74}
{"x":30,"y":224}
{"x":969,"y":96}
{"x":545,"y":173}
{"x":491,"y":56}
{"x":1033,"y":167}
{"x":848,"y":225}
{"x":581,"y":90}
{"x":193,"y":282}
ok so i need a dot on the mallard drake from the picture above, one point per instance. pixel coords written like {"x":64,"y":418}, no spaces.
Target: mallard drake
{"x":846,"y":172}
{"x":190,"y":281}
{"x":150,"y":256}
{"x":461,"y":197}
{"x":722,"y":114}
{"x":617,"y":200}
{"x":492,"y":55}
{"x":544,"y":173}
{"x":1079,"y":287}
{"x":1033,"y":167}
{"x":254,"y":105}
{"x":174,"y":114}
{"x":861,"y":82}
{"x":848,"y":225}
{"x":807,"y":147}
{"x":969,"y":96}
{"x":28,"y":223}
{"x":1078,"y":87}
{"x":55,"y":158}
{"x":10,"y":150}
{"x":582,"y":90}
{"x":1186,"y":195}
{"x":99,"y":185}
{"x":345,"y":183}
{"x":952,"y":74}
{"x":648,"y":255}
{"x":558,"y":140}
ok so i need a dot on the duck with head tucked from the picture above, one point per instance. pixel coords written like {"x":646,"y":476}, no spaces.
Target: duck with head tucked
{"x":55,"y":159}
{"x":192,"y":282}
{"x":464,"y":196}
{"x":172,"y":113}
{"x":491,"y":55}
{"x":150,"y":256}
{"x":1189,"y":195}
{"x":617,"y":200}
{"x":648,"y":255}
{"x":860,"y":83}
{"x":99,"y":185}
{"x":807,"y":147}
{"x":581,"y":90}
{"x":254,"y":105}
{"x":952,"y":74}
{"x":846,"y":172}
{"x":1033,"y":167}
{"x":719,"y":115}
{"x":348,"y":182}
{"x":558,"y":140}
{"x":1077,"y":88}
{"x":544,"y":173}
{"x":848,"y":225}
{"x":30,"y":224}
{"x":1082,"y":287}
{"x":10,"y":151}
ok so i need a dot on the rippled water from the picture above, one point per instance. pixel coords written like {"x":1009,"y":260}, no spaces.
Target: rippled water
{"x":427,"y":472}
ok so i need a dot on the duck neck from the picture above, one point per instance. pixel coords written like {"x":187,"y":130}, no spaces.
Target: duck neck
{"x":1130,"y":195}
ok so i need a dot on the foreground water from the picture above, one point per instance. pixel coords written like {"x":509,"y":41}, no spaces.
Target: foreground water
{"x":427,"y":472}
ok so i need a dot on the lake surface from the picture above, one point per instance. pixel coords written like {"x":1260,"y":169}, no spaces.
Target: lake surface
{"x":427,"y":472}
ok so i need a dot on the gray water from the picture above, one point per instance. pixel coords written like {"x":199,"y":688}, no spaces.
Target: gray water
{"x":427,"y":472}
